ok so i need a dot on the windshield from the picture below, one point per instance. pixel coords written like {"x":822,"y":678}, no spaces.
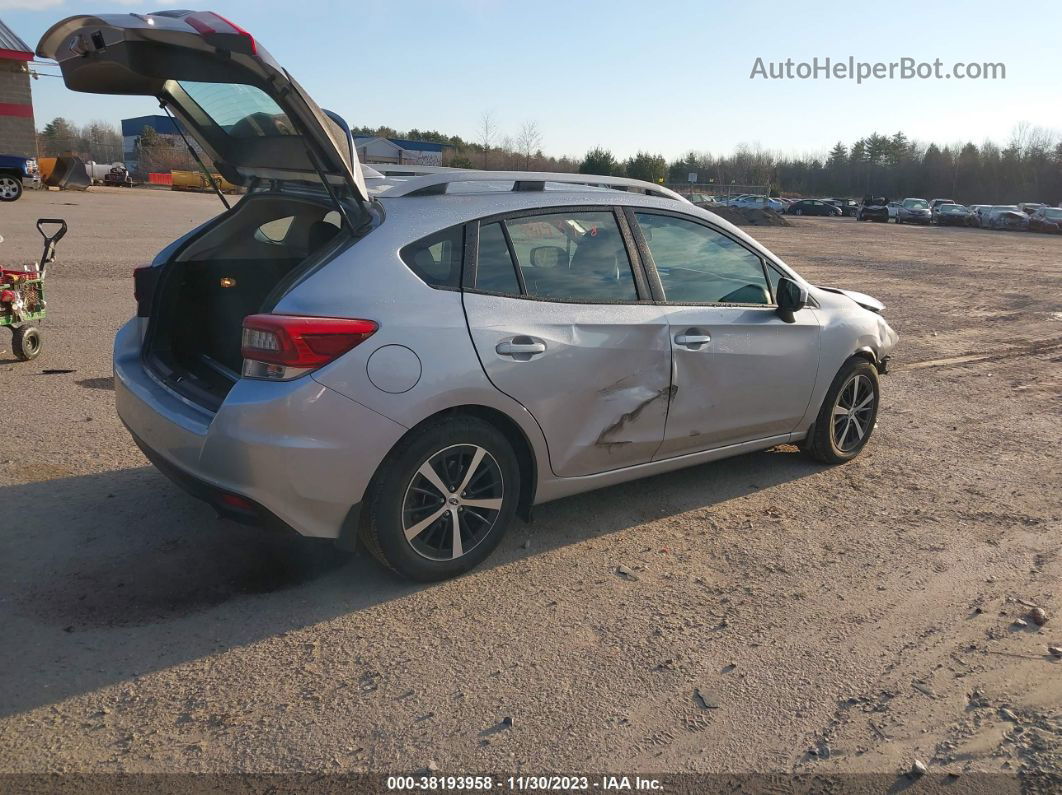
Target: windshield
{"x":1005,"y":207}
{"x":953,"y":208}
{"x":1054,"y":213}
{"x":916,"y":204}
{"x":241,"y":111}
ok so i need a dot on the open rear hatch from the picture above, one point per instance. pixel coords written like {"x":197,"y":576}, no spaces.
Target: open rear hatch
{"x":261,"y":130}
{"x":246,"y":112}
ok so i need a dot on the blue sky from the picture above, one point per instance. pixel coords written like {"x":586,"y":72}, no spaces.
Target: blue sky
{"x":665,"y":76}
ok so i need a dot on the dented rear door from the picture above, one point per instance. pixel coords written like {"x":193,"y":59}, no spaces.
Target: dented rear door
{"x":595,"y":373}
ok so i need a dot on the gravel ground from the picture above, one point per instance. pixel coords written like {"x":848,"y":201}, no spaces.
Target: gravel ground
{"x":832,"y":619}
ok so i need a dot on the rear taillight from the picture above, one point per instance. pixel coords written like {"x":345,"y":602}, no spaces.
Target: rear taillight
{"x":282,"y":347}
{"x":144,"y":280}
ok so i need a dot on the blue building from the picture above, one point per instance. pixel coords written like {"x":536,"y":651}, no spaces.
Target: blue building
{"x":374,"y":149}
{"x":132,"y":129}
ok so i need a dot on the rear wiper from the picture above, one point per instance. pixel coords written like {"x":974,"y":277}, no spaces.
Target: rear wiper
{"x":207,"y":174}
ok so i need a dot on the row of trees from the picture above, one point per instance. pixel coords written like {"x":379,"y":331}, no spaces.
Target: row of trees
{"x":96,"y":140}
{"x":102,"y":142}
{"x":1028,"y":167}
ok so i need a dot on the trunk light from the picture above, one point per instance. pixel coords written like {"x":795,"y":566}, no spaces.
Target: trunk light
{"x":282,"y":347}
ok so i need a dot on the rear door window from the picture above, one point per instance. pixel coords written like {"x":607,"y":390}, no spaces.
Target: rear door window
{"x":495,"y":272}
{"x":573,"y":256}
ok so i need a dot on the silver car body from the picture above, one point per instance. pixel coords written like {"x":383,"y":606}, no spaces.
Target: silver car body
{"x":603,"y":393}
{"x":614,"y":398}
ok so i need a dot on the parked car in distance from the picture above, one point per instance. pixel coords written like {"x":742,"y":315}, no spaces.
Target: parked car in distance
{"x":954,"y":215}
{"x":386,"y":360}
{"x":1030,"y":207}
{"x":17,"y":172}
{"x":759,"y":203}
{"x":914,"y":211}
{"x":873,"y":208}
{"x":1046,"y":219}
{"x":848,"y":207}
{"x":1004,"y":216}
{"x":935,"y":205}
{"x":813,"y":207}
{"x":977,"y":210}
{"x":734,"y":201}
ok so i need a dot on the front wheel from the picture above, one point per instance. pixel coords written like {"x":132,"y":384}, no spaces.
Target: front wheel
{"x":442,"y":500}
{"x":26,"y":342}
{"x":847,"y":416}
{"x":10,"y":188}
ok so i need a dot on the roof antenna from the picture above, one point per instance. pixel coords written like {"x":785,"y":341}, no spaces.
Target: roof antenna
{"x":209,"y":176}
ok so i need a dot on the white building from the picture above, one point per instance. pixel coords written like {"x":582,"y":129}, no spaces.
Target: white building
{"x":398,"y":150}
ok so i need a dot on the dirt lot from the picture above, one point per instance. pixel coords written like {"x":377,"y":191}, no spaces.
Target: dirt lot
{"x":834,"y":619}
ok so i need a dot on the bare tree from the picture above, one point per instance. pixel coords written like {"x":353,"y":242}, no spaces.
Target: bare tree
{"x":528,"y":142}
{"x":487,"y":130}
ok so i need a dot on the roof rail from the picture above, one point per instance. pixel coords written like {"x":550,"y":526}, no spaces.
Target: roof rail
{"x":435,"y":184}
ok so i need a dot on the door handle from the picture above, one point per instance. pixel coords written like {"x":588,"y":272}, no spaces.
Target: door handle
{"x":689,"y":339}
{"x":520,"y":348}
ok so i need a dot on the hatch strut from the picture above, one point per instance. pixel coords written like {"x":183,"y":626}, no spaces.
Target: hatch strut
{"x":207,"y":174}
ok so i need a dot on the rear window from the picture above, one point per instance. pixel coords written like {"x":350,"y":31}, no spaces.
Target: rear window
{"x":241,"y":111}
{"x":436,"y":259}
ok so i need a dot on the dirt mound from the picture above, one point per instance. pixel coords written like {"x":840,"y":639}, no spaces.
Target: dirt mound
{"x":747,"y":217}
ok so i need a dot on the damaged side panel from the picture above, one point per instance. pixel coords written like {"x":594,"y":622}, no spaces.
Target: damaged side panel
{"x":598,"y":382}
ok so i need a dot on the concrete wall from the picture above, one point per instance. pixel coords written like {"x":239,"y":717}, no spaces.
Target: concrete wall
{"x":17,"y":135}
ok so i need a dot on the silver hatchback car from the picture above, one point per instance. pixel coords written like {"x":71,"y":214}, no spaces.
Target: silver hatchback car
{"x":413,"y":360}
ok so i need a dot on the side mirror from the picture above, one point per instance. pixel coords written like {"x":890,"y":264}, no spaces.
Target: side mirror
{"x":548,"y":257}
{"x":791,"y":298}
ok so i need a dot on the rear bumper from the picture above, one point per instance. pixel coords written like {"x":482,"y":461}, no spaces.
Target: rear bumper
{"x":300,"y":454}
{"x":231,"y":506}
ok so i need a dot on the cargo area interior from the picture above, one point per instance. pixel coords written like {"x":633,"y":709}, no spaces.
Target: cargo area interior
{"x":222,"y":276}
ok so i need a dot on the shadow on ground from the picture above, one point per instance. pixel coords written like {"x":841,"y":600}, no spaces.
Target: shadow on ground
{"x":109,"y":576}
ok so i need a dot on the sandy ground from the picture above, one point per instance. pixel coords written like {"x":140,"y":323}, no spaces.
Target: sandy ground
{"x":834,"y":619}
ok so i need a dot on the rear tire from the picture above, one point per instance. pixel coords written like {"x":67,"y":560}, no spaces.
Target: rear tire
{"x":26,"y":342}
{"x":416,"y":501}
{"x":846,"y":419}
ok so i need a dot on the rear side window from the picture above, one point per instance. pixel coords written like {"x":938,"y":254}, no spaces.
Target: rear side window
{"x":274,"y":232}
{"x":436,"y":259}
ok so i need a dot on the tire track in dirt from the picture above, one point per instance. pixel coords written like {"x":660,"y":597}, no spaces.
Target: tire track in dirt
{"x":1026,"y":348}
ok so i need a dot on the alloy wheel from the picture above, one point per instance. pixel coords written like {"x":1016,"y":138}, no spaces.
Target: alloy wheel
{"x":452,"y":502}
{"x":8,"y":188}
{"x":853,"y":413}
